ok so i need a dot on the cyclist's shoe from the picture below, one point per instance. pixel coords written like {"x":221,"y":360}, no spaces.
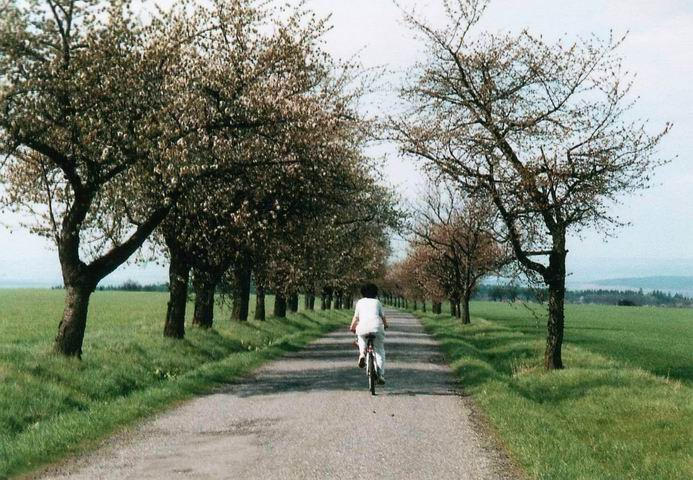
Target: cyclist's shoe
{"x":362,"y":361}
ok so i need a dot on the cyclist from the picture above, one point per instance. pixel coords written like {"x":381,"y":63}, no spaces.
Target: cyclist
{"x":370,"y":319}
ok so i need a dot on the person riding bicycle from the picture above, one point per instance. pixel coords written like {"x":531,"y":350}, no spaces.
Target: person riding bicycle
{"x":370,"y":319}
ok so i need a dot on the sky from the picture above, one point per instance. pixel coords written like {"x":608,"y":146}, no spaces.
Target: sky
{"x":659,"y":49}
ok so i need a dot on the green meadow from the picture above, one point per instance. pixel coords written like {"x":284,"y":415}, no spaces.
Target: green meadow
{"x":622,"y":409}
{"x":52,"y":406}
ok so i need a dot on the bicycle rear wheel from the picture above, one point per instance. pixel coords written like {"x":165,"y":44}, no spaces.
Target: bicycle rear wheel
{"x":372,"y":375}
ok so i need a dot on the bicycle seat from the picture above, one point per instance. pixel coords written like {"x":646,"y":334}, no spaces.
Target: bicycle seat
{"x":370,"y":336}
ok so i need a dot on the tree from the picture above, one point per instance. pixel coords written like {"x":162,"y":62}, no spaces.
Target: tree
{"x":336,"y":237}
{"x":542,"y":128}
{"x":359,"y":244}
{"x":459,"y":230}
{"x":407,"y":273}
{"x":428,"y":265}
{"x":271,"y":74}
{"x":331,"y":204}
{"x":85,"y":124}
{"x":199,"y":235}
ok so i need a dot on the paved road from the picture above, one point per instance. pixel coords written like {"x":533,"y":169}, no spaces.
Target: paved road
{"x":309,"y":416}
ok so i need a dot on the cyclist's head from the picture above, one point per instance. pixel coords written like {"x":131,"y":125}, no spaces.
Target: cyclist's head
{"x":369,"y":290}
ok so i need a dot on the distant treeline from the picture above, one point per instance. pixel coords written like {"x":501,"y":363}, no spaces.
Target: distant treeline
{"x":134,"y":286}
{"x":499,"y":293}
{"x":129,"y":286}
{"x":604,"y":297}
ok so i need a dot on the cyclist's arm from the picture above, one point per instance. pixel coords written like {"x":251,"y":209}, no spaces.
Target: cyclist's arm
{"x":354,"y":322}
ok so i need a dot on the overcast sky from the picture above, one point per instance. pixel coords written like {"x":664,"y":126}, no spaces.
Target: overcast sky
{"x":659,"y":48}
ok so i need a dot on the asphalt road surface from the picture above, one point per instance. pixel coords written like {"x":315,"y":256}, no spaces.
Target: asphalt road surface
{"x":309,"y":416}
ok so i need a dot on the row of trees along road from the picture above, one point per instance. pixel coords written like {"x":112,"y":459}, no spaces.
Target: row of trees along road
{"x":451,"y":248}
{"x":221,"y":133}
{"x":542,"y":130}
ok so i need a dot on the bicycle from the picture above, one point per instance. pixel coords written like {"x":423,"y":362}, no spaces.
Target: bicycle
{"x":371,"y":371}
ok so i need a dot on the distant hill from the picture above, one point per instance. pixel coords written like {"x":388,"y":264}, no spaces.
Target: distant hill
{"x":667,"y":283}
{"x":656,"y":282}
{"x":682,"y":284}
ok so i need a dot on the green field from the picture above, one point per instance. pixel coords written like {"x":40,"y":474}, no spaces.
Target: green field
{"x":622,"y":409}
{"x":52,"y":406}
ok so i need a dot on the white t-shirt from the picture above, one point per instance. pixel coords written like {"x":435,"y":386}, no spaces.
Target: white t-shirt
{"x":369,"y":311}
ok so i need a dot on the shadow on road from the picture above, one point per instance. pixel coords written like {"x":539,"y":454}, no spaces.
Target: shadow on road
{"x":414,"y":366}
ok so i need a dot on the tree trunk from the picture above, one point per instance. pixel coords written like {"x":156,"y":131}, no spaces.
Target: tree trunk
{"x":554,"y":338}
{"x":415,"y":306}
{"x":423,"y":306}
{"x":311,"y":302}
{"x":306,"y":301}
{"x":293,"y":303}
{"x":466,"y":319}
{"x":81,"y":279}
{"x":241,"y":292}
{"x":178,"y":276}
{"x":453,"y":310}
{"x":279,"y":305}
{"x":74,"y":322}
{"x":260,"y":303}
{"x":554,"y":277}
{"x":203,"y":315}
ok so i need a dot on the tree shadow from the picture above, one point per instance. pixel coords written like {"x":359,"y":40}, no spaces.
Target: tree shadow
{"x":609,"y":341}
{"x":556,"y":392}
{"x":661,"y":363}
{"x":400,"y":381}
{"x":606,"y":329}
{"x":498,"y":354}
{"x":414,"y":366}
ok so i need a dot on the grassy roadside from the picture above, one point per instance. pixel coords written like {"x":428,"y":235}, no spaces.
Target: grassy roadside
{"x":51,"y":407}
{"x":604,"y":417}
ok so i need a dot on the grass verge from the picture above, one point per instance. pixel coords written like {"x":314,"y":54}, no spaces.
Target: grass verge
{"x":52,"y":407}
{"x":604,"y":417}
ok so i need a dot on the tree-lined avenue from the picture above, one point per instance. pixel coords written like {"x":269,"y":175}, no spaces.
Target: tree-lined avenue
{"x":309,"y":415}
